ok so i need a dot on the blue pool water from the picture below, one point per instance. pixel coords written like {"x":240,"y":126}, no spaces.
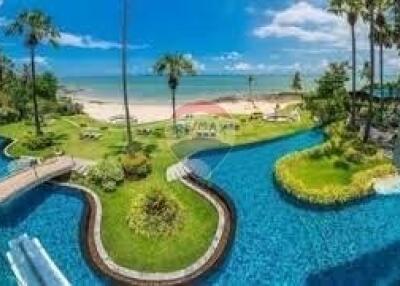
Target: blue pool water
{"x":277,"y":242}
{"x":53,"y":214}
{"x":281,"y":242}
{"x":4,"y":160}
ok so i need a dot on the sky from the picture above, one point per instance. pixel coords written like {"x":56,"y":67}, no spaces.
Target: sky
{"x":221,"y":36}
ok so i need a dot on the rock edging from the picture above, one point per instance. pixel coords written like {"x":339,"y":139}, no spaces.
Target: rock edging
{"x":9,"y":144}
{"x":124,"y":276}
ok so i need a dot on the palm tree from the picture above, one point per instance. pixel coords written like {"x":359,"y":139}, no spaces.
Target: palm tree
{"x":383,"y":40}
{"x":36,"y":28}
{"x":6,"y":67}
{"x":174,"y":66}
{"x":124,"y":73}
{"x":352,"y":9}
{"x":370,"y":6}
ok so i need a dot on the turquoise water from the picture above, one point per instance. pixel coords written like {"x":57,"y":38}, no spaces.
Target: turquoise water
{"x":154,"y":89}
{"x":5,"y":166}
{"x":53,"y":214}
{"x":281,"y":242}
{"x":278,"y":241}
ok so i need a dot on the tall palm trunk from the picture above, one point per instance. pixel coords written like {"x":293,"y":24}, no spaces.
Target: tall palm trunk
{"x":372,"y":74}
{"x":381,"y":79}
{"x":124,"y":72}
{"x":173,"y":94}
{"x":354,"y":76}
{"x":34,"y":97}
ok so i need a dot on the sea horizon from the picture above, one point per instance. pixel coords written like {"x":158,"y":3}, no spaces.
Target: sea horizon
{"x":151,"y":89}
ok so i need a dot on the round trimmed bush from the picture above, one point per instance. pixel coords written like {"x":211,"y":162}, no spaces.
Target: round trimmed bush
{"x":155,"y":214}
{"x":136,"y":166}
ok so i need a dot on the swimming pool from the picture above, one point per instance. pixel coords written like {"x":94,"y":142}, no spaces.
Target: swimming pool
{"x":54,"y":215}
{"x":281,"y":242}
{"x":5,"y":162}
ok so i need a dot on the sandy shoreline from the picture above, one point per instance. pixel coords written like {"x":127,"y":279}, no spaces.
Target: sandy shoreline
{"x":144,"y":113}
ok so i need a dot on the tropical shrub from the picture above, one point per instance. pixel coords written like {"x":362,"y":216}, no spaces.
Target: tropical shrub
{"x":353,"y":156}
{"x":107,"y":174}
{"x":329,"y":194}
{"x":330,"y":100}
{"x":66,"y":106}
{"x":8,"y":115}
{"x":155,"y":214}
{"x":136,"y":166}
{"x":34,"y":143}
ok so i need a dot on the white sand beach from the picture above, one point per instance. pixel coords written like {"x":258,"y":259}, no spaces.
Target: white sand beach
{"x":145,"y":113}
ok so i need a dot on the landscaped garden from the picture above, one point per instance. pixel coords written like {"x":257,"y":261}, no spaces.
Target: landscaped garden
{"x":194,"y":219}
{"x":339,"y":171}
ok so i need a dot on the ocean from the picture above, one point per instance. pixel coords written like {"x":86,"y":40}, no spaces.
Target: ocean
{"x":154,"y":89}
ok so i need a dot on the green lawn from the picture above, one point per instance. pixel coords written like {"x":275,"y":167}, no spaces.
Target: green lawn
{"x":200,"y":217}
{"x":330,"y":179}
{"x":317,"y":173}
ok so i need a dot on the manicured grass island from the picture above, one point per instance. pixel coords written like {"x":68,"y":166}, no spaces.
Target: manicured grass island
{"x":339,"y":171}
{"x":198,"y":219}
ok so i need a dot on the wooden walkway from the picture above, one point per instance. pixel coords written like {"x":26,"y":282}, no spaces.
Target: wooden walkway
{"x":34,"y":176}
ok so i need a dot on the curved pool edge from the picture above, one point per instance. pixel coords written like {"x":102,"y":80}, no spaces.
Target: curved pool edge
{"x":125,"y":276}
{"x":7,"y":146}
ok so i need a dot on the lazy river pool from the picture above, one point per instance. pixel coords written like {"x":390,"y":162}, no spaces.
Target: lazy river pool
{"x":277,"y":242}
{"x":54,"y":215}
{"x":281,"y":242}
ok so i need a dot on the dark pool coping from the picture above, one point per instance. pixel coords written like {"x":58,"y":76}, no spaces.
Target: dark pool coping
{"x":212,"y":193}
{"x":124,"y":276}
{"x":188,"y":276}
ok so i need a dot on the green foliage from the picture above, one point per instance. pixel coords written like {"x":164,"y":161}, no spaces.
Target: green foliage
{"x":8,"y":115}
{"x":346,"y":156}
{"x":155,"y":214}
{"x":107,"y":174}
{"x":136,"y":166}
{"x":330,"y":101}
{"x":46,"y":86}
{"x":353,"y":156}
{"x":66,"y":106}
{"x":41,"y":142}
{"x":343,"y":164}
{"x":328,"y":194}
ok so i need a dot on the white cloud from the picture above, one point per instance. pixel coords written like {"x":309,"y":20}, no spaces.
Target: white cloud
{"x":240,"y":66}
{"x":88,"y":42}
{"x":229,"y":56}
{"x":197,"y":64}
{"x":244,"y":67}
{"x":311,"y":24}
